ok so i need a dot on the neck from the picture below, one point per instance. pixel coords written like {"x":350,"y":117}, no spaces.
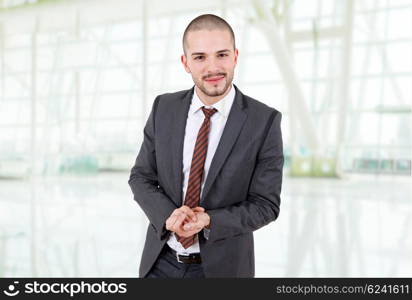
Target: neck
{"x":209,"y":100}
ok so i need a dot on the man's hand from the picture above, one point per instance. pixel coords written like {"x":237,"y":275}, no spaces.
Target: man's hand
{"x":203,"y":220}
{"x":178,"y":217}
{"x":186,"y":222}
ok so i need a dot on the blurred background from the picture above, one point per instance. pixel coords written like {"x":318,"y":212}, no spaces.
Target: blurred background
{"x":77,"y":81}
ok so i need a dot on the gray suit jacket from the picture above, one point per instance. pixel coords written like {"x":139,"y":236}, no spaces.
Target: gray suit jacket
{"x":241,"y":192}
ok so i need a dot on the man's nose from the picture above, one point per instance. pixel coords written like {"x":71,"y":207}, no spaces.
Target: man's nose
{"x":212,"y":66}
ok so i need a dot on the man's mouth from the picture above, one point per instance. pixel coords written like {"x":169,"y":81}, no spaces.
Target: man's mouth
{"x":214,"y":79}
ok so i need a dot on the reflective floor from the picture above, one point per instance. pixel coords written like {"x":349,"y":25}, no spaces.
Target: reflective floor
{"x":360,"y":226}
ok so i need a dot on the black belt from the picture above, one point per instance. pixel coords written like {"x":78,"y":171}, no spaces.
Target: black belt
{"x":193,"y":258}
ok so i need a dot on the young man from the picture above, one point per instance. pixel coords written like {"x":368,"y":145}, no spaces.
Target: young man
{"x":209,"y":171}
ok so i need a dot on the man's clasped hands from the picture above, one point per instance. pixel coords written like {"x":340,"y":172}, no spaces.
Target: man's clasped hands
{"x":186,"y":221}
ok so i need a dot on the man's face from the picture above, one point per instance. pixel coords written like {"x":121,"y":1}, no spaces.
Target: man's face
{"x":211,"y":60}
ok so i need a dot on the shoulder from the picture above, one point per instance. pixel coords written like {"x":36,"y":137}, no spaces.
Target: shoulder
{"x":172,"y":97}
{"x":258,"y":108}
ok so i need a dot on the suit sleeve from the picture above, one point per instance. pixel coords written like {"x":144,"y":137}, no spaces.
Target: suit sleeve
{"x":263,"y":201}
{"x":144,"y":181}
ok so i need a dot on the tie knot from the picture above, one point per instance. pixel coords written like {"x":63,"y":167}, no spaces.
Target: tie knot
{"x":208,"y":111}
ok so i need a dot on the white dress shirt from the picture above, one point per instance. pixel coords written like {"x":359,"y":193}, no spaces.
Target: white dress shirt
{"x":194,"y":121}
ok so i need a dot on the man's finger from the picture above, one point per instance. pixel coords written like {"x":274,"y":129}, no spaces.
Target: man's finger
{"x":192,"y":226}
{"x":178,"y":222}
{"x":172,"y":219}
{"x":198,"y":209}
{"x":187,"y":220}
{"x":177,"y":212}
{"x":191,"y":232}
{"x":169,"y":222}
{"x":188,"y":211}
{"x":188,"y":226}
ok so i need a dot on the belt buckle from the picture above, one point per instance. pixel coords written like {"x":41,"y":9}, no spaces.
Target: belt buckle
{"x":178,"y":259}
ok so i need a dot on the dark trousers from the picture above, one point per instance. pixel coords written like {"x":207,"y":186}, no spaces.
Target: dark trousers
{"x":167,"y":266}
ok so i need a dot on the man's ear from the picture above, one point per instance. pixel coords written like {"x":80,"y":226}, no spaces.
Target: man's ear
{"x":236,"y":55}
{"x":183,"y":59}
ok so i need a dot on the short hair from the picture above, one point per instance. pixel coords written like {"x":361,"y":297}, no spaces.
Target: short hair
{"x":208,"y":22}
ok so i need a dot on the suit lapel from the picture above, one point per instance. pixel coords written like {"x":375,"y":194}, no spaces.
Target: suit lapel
{"x":232,"y":129}
{"x":180,"y":118}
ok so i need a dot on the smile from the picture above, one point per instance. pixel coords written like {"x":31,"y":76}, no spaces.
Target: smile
{"x":214,"y":79}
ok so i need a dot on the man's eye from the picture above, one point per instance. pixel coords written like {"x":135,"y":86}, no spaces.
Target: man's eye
{"x":198,"y":57}
{"x":222,"y":54}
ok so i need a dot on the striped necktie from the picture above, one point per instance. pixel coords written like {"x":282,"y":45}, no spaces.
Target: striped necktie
{"x":192,"y":198}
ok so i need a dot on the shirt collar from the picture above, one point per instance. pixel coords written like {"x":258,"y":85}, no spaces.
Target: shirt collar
{"x":223,"y":105}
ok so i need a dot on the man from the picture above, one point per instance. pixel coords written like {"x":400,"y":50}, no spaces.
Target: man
{"x":209,"y":171}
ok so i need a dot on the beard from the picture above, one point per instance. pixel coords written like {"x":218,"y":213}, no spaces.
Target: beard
{"x":214,"y":91}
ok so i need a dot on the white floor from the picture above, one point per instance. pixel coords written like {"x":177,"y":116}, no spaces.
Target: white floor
{"x":90,"y":226}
